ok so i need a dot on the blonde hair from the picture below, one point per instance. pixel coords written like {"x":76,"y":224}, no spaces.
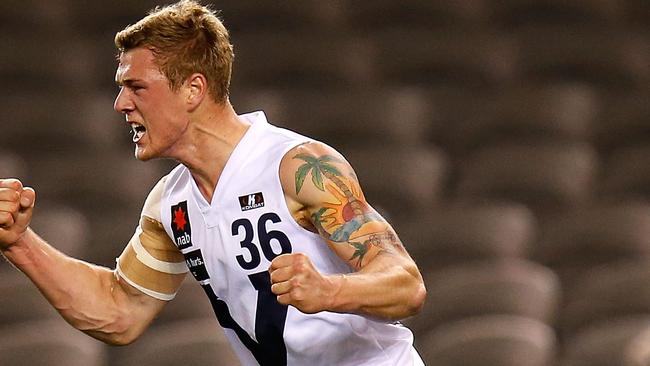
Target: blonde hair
{"x":185,"y":37}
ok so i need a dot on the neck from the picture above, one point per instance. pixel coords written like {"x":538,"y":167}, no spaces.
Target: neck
{"x":211,"y":139}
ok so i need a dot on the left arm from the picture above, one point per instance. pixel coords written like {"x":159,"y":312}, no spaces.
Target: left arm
{"x":323,"y":193}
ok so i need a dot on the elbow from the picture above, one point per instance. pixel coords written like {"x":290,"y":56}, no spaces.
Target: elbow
{"x":417,"y":294}
{"x":119,"y":339}
{"x":411,"y":305}
{"x":121,"y":333}
{"x":417,"y":300}
{"x":411,"y":300}
{"x":116,"y":332}
{"x":114,"y":338}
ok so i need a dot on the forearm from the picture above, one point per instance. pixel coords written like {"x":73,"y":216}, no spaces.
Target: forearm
{"x":88,"y":297}
{"x":387,"y":288}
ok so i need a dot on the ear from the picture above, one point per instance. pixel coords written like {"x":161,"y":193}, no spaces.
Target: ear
{"x":197,"y":89}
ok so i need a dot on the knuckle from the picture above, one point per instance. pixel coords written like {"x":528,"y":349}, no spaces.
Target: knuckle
{"x":284,"y":300}
{"x":294,"y":282}
{"x":6,"y":218}
{"x":13,"y":183}
{"x":300,"y":267}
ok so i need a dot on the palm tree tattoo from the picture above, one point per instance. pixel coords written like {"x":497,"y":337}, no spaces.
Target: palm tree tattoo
{"x":339,"y":221}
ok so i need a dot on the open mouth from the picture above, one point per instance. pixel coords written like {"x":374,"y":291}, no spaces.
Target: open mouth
{"x":138,"y":131}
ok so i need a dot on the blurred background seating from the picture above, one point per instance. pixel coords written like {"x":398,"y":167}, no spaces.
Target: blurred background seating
{"x":490,"y":287}
{"x":198,"y":342}
{"x":507,"y":141}
{"x":49,"y":342}
{"x":490,"y":340}
{"x":458,"y":234}
{"x":611,"y":342}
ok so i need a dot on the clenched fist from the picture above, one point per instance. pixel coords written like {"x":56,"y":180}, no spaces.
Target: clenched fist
{"x":296,"y":282}
{"x":16,"y":206}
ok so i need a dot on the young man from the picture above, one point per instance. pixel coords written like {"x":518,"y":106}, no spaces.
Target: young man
{"x":299,"y":268}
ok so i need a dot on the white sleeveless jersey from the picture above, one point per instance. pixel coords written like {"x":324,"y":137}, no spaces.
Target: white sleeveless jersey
{"x":228,"y":246}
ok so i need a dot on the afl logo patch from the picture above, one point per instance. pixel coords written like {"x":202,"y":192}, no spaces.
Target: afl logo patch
{"x":180,"y":223}
{"x":251,"y":201}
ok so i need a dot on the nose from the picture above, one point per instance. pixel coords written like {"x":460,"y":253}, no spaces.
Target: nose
{"x":123,"y":103}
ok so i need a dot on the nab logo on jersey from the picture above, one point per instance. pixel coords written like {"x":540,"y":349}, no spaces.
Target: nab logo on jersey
{"x":181,"y":225}
{"x":251,"y":201}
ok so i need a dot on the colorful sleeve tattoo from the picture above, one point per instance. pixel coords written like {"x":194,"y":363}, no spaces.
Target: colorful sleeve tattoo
{"x":345,"y":218}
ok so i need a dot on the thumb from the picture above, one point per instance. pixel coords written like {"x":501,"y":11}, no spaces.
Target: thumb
{"x":27,"y":198}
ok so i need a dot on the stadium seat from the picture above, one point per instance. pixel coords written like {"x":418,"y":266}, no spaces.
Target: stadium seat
{"x":400,"y":179}
{"x":64,"y":122}
{"x":414,"y":14}
{"x":608,"y":59}
{"x":611,"y":291}
{"x":111,"y":229}
{"x":637,"y":12}
{"x":457,"y":234}
{"x":530,"y":13}
{"x":558,"y":112}
{"x":608,"y":343}
{"x":576,"y":241}
{"x":12,"y":165}
{"x":637,"y":352}
{"x":22,"y":302}
{"x":22,"y":66}
{"x":294,"y":15}
{"x":64,"y":227}
{"x":549,"y":177}
{"x":347,"y":117}
{"x":463,"y":59}
{"x":199,"y":342}
{"x":623,"y":122}
{"x":489,"y":287}
{"x":107,"y":18}
{"x":190,"y":303}
{"x":494,"y":340}
{"x":49,"y":343}
{"x":301,"y":60}
{"x":626,"y":174}
{"x":88,"y":181}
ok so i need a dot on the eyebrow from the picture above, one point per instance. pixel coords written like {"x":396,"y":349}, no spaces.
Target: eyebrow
{"x":127,"y":82}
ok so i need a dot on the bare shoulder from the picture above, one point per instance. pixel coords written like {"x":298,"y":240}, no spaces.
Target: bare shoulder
{"x":315,"y":163}
{"x":151,"y":207}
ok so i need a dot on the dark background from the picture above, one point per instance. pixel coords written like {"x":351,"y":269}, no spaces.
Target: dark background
{"x":507,"y":141}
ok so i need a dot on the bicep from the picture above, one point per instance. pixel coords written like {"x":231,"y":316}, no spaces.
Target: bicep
{"x":151,"y":263}
{"x":330,"y":195}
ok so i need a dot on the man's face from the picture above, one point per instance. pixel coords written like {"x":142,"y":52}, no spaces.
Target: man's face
{"x":155,"y":112}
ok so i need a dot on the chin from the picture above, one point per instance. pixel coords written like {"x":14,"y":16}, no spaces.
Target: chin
{"x":142,"y":154}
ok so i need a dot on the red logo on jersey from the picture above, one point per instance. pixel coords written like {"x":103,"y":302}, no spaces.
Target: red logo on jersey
{"x":179,"y":219}
{"x":180,"y":223}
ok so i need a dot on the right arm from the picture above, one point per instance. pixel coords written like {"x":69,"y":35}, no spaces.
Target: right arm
{"x":114,"y":306}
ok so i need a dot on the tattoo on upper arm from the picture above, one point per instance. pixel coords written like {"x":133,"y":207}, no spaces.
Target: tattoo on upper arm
{"x":346,"y":218}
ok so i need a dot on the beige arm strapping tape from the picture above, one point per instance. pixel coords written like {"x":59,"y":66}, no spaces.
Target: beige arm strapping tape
{"x":151,"y":262}
{"x":154,"y":294}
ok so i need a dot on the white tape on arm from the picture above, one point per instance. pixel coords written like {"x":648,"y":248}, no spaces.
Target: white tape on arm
{"x":154,"y":294}
{"x":148,"y":260}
